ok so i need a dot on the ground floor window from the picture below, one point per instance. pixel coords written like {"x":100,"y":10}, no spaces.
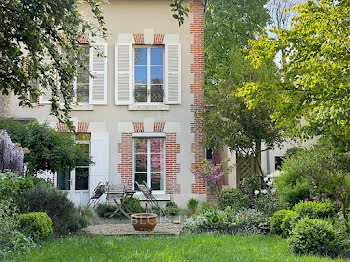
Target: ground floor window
{"x":148,"y":162}
{"x":79,"y":177}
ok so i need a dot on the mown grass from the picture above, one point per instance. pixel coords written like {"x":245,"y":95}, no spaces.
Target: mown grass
{"x":184,"y":248}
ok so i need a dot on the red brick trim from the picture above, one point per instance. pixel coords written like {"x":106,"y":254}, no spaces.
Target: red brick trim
{"x":138,"y":127}
{"x":84,"y":39}
{"x":125,"y":165}
{"x":158,"y":39}
{"x":139,"y":39}
{"x":172,"y":167}
{"x":158,"y":126}
{"x":197,"y":69}
{"x":83,"y":127}
{"x":62,"y":127}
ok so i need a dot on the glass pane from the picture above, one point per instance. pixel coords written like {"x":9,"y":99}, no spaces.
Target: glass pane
{"x":156,"y":162}
{"x":140,"y":145}
{"x":34,"y":88}
{"x":139,"y":178}
{"x":157,"y":145}
{"x":83,"y":137}
{"x":140,"y":75}
{"x":82,"y":93}
{"x":157,"y":93}
{"x":141,"y":163}
{"x":157,"y":56}
{"x":85,"y":148}
{"x":156,"y":75}
{"x":140,"y":93}
{"x":63,"y":177}
{"x":156,"y":181}
{"x":140,"y":56}
{"x":82,"y":178}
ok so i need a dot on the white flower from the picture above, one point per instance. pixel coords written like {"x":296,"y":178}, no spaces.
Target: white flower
{"x":269,"y":183}
{"x":256,"y":192}
{"x":264,"y":191}
{"x":273,"y":190}
{"x":266,"y":178}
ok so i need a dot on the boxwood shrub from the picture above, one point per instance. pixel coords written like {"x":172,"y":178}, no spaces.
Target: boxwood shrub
{"x":313,"y":236}
{"x":37,"y":226}
{"x":277,"y":220}
{"x":313,"y":209}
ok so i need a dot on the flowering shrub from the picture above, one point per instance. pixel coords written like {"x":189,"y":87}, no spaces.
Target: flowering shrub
{"x":211,"y":174}
{"x":11,"y":155}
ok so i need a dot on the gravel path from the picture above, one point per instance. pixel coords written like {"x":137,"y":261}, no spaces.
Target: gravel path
{"x":128,"y":230}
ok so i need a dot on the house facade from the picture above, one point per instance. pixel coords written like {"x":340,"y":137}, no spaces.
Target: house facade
{"x":137,"y":116}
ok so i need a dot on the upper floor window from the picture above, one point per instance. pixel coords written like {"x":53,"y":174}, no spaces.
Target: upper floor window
{"x":149,"y":74}
{"x":81,"y":85}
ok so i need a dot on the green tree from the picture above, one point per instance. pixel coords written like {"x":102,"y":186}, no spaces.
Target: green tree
{"x":48,"y":149}
{"x":30,"y":32}
{"x":227,"y":121}
{"x":310,"y":92}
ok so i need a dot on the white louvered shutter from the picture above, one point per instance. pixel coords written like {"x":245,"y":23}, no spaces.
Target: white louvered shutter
{"x":123,"y":74}
{"x":98,"y":68}
{"x":173,"y":74}
{"x":46,"y":93}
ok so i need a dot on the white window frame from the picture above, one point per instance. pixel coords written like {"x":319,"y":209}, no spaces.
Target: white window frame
{"x":82,"y":142}
{"x":148,"y":136}
{"x":148,"y":74}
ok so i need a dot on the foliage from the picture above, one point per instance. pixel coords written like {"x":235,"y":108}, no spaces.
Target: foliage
{"x":226,"y":120}
{"x":89,"y":217}
{"x":268,"y":204}
{"x":103,"y":209}
{"x":171,"y":209}
{"x":247,"y":221}
{"x":49,"y":149}
{"x":11,"y":239}
{"x":288,"y":223}
{"x":205,"y":207}
{"x":312,"y":235}
{"x":211,"y":174}
{"x":12,"y":186}
{"x":291,"y":186}
{"x":324,"y":174}
{"x":39,"y":29}
{"x":309,"y":94}
{"x":55,"y":204}
{"x":180,"y":11}
{"x":192,"y":206}
{"x":277,"y":220}
{"x":134,"y":205}
{"x":313,"y":209}
{"x":233,"y":198}
{"x":37,"y":226}
{"x":11,"y":156}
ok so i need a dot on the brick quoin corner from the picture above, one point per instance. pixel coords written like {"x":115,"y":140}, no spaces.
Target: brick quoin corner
{"x":197,"y":69}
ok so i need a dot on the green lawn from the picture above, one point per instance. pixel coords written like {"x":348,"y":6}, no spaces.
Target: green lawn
{"x":184,"y":248}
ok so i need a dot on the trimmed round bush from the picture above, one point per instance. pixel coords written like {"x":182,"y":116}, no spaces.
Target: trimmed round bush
{"x":277,"y":220}
{"x":314,"y":209}
{"x":288,"y":223}
{"x":312,"y":236}
{"x":233,"y":198}
{"x":205,"y":207}
{"x":134,"y":205}
{"x":37,"y":226}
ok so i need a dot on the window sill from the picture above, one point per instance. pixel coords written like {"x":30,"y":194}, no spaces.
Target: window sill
{"x":83,"y":108}
{"x":136,"y":107}
{"x":158,"y":196}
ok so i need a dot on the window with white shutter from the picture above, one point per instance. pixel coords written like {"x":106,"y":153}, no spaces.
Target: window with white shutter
{"x":123,"y":73}
{"x":173,"y":74}
{"x":98,"y":68}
